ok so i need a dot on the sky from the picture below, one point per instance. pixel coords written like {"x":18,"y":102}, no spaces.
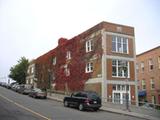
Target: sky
{"x":31,"y":28}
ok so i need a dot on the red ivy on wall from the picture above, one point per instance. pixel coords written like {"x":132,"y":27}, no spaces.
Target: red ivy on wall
{"x":76,"y":65}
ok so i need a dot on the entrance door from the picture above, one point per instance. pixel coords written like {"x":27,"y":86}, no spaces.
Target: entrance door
{"x":119,"y":94}
{"x":116,"y":98}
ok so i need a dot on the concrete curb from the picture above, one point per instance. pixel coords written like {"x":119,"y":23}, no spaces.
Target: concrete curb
{"x":133,"y":114}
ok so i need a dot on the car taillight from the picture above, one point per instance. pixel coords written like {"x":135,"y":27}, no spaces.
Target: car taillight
{"x":87,"y":101}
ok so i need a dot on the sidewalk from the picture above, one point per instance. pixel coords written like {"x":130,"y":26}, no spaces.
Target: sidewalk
{"x":149,"y":114}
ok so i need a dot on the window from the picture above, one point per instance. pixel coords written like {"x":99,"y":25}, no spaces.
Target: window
{"x":89,"y":45}
{"x":116,"y":97}
{"x":137,"y":67}
{"x":142,"y":67}
{"x":78,"y":94}
{"x":31,"y":81}
{"x":159,"y":62}
{"x":153,"y":99}
{"x":143,"y":84}
{"x":152,"y":83}
{"x":32,"y":69}
{"x":119,"y":87}
{"x":66,"y":70}
{"x":150,"y":64}
{"x":28,"y":70}
{"x":114,"y":87}
{"x":89,"y":67}
{"x":54,"y":60}
{"x":119,"y":44}
{"x":119,"y":93}
{"x":68,"y":56}
{"x":27,"y":81}
{"x":120,"y":68}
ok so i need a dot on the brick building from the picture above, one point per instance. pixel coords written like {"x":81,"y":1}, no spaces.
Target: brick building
{"x":31,"y":74}
{"x":148,"y":73}
{"x":101,"y":59}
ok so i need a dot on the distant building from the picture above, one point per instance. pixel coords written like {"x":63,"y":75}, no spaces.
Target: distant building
{"x":31,"y":74}
{"x":148,"y":72}
{"x":101,"y":59}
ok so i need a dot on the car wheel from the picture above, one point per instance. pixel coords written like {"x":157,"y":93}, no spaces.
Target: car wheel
{"x":66,"y":104}
{"x":80,"y":107}
{"x":95,"y":109}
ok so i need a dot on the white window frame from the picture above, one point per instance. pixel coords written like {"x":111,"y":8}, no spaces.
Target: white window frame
{"x":137,"y":67}
{"x":68,"y":55}
{"x":121,"y":89}
{"x":118,"y":69}
{"x":31,"y":81}
{"x":152,"y":83}
{"x":66,"y":70}
{"x":89,"y":67}
{"x":89,"y":45}
{"x":151,"y":64}
{"x":153,"y":99}
{"x":27,"y":81}
{"x":54,"y":60}
{"x":32,"y":69}
{"x":142,"y":67}
{"x":143,"y":84}
{"x":116,"y":42}
{"x":28,"y":70}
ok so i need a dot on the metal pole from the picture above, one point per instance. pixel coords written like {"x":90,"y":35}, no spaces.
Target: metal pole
{"x":127,"y":101}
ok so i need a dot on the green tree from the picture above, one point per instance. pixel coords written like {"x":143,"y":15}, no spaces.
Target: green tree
{"x":19,"y":71}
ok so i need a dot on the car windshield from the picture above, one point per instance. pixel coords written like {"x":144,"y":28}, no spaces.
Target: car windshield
{"x":28,"y":86}
{"x":37,"y":90}
{"x":93,"y":96}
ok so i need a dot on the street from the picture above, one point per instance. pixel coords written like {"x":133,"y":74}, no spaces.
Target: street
{"x":15,"y":106}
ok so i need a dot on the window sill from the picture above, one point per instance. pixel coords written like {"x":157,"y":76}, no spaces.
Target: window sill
{"x":119,"y":77}
{"x":89,"y":71}
{"x":120,"y":53}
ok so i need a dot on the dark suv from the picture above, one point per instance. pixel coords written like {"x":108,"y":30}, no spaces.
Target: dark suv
{"x":83,"y":100}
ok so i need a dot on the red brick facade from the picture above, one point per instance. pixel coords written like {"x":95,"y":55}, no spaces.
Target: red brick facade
{"x":150,"y":74}
{"x":86,"y":62}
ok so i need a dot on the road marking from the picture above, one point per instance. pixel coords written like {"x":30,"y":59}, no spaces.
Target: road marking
{"x":25,"y":108}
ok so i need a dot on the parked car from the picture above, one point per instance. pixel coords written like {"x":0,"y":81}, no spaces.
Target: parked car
{"x":15,"y":86}
{"x":24,"y":89}
{"x":83,"y":100}
{"x":38,"y":93}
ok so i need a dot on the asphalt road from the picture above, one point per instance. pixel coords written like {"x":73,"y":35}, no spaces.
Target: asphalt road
{"x":14,"y":106}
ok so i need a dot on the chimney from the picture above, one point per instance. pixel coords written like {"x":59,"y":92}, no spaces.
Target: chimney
{"x":62,"y":41}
